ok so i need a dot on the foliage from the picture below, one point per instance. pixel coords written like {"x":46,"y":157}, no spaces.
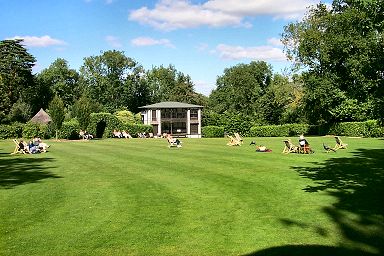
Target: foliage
{"x":210,"y":118}
{"x":20,"y":112}
{"x":240,"y":87}
{"x":70,"y":130}
{"x":14,"y":130}
{"x":212,"y":131}
{"x":369,"y":128}
{"x":135,"y":129}
{"x":58,"y":79}
{"x":231,"y":122}
{"x":279,"y":130}
{"x":114,"y":80}
{"x":168,"y":84}
{"x":281,"y":102}
{"x":127,"y":117}
{"x":341,"y":49}
{"x":32,"y":130}
{"x":57,"y":112}
{"x":111,"y":123}
{"x":82,"y":110}
{"x":15,"y":74}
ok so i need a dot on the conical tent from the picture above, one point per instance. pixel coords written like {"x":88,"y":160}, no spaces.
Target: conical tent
{"x":41,"y":117}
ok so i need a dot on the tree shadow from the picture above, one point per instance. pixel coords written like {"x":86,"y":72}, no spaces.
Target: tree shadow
{"x":357,"y":183}
{"x":21,"y":170}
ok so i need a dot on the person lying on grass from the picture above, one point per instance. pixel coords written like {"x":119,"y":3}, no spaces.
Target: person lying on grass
{"x":262,"y":149}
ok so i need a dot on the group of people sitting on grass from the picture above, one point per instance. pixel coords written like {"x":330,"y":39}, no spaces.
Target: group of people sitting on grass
{"x":303,"y":147}
{"x":121,"y":134}
{"x":85,"y":135}
{"x":34,"y":146}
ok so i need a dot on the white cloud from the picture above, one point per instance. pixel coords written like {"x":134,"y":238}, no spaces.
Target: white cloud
{"x":148,"y":41}
{"x":275,"y":41}
{"x":277,"y":8}
{"x":44,"y":41}
{"x":113,"y":41}
{"x":178,"y":14}
{"x":266,"y":53}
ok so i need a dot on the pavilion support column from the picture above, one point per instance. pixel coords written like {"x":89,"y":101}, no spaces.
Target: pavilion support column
{"x":158,"y":115}
{"x":199,"y":126}
{"x":188,"y":122}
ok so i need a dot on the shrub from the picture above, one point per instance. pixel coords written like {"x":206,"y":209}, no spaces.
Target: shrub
{"x":134,"y":129}
{"x":279,"y":130}
{"x":70,"y":130}
{"x":369,"y":128}
{"x":364,"y":129}
{"x":32,"y":130}
{"x":111,"y":123}
{"x":11,"y":131}
{"x":212,"y":131}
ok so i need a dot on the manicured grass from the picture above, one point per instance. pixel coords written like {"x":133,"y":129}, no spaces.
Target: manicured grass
{"x":139,"y":197}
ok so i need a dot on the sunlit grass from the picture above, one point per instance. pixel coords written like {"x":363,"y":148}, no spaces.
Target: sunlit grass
{"x":139,"y":197}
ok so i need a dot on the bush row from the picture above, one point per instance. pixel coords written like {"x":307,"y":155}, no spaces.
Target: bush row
{"x":212,"y":131}
{"x":70,"y":129}
{"x":354,"y":129}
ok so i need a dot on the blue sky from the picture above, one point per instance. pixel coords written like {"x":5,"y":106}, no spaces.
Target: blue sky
{"x":200,"y":38}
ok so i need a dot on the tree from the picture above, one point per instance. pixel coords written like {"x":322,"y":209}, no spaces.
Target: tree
{"x":168,"y":84}
{"x":240,"y":87}
{"x":342,"y":51}
{"x":57,"y":112}
{"x":82,"y":110}
{"x":281,"y":102}
{"x":15,"y":73}
{"x":58,"y":79}
{"x":109,"y":79}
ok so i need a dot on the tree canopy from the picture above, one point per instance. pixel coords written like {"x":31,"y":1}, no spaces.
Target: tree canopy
{"x":15,"y":74}
{"x":342,"y":52}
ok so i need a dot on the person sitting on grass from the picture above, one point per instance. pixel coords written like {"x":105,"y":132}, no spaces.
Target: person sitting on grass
{"x":304,"y":145}
{"x":33,"y":149}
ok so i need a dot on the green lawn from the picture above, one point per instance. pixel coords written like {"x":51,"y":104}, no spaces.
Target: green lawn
{"x":139,"y":197}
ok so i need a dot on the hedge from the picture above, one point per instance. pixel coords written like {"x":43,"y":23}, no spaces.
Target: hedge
{"x":212,"y":131}
{"x":70,"y":130}
{"x":111,"y":122}
{"x":32,"y":130}
{"x":369,"y":128}
{"x":280,"y":130}
{"x":11,"y":131}
{"x":354,"y":129}
{"x":134,"y":129}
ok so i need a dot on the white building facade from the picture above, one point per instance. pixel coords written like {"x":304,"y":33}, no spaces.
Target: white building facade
{"x":175,"y":118}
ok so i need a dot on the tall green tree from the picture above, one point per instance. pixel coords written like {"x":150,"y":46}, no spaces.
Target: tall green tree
{"x":342,"y":52}
{"x":15,"y":73}
{"x":82,"y":110}
{"x":169,"y":84}
{"x":281,"y":102}
{"x":57,"y":112}
{"x":110,"y":78}
{"x":58,"y":79}
{"x":240,"y":87}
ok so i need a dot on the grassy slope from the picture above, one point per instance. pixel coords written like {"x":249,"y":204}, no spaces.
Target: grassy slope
{"x":138,"y":197}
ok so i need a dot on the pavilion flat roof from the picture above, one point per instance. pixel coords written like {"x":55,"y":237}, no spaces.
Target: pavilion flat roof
{"x":170,"y":104}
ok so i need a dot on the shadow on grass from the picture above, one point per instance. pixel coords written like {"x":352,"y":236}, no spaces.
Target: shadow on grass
{"x":358,"y":185}
{"x":20,"y":170}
